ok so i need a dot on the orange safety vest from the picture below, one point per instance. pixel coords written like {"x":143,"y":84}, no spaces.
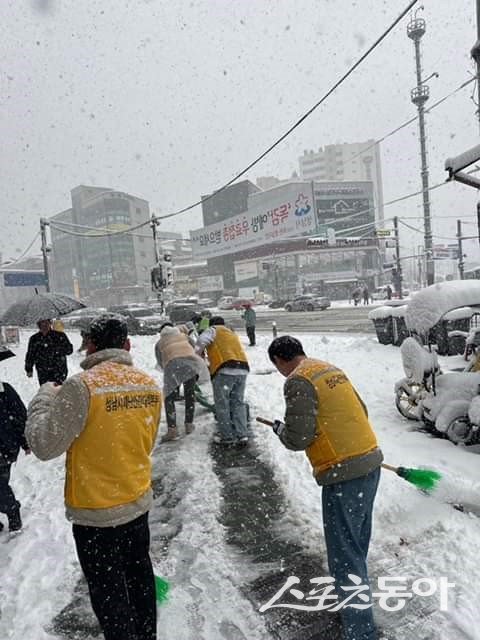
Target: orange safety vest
{"x":226,"y":350}
{"x":343,"y":429}
{"x":109,"y":463}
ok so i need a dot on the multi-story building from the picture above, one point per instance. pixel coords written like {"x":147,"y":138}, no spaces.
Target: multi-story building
{"x":106,"y":268}
{"x":267,"y":246}
{"x":346,"y":161}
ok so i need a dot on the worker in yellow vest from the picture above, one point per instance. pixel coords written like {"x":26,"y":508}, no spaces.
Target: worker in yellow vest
{"x":229,"y":368}
{"x":326,"y":418}
{"x":106,"y":420}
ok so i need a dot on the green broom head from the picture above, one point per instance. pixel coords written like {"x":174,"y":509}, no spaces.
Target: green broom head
{"x":161,"y":589}
{"x":424,"y":479}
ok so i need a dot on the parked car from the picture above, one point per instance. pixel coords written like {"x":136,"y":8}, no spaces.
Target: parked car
{"x":180,"y":302}
{"x":225,"y":303}
{"x":278,"y":304}
{"x":82,"y":317}
{"x":307,"y":302}
{"x":142,"y":321}
{"x":184,"y":312}
{"x":239,"y":303}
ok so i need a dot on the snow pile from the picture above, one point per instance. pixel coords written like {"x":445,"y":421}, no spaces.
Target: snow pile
{"x":474,"y":411}
{"x":386,"y":312}
{"x":417,"y":361}
{"x":430,"y":304}
{"x":460,"y":314}
{"x":454,"y":392}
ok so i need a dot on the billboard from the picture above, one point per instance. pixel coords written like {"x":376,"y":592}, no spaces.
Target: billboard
{"x":23,"y":279}
{"x":280,"y":213}
{"x":245,"y":270}
{"x":210,"y":283}
{"x":345,"y":204}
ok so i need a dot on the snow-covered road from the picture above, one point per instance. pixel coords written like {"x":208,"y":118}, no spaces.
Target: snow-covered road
{"x":215,"y":572}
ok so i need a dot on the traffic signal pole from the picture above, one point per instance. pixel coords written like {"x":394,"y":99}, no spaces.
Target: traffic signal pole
{"x":45,"y":250}
{"x":397,"y":258}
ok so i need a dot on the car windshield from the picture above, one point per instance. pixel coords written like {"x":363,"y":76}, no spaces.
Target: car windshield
{"x":140,"y":313}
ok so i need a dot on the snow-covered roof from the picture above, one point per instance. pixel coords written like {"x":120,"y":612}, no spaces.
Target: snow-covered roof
{"x":431,"y":304}
{"x":460,"y":313}
{"x":386,"y":311}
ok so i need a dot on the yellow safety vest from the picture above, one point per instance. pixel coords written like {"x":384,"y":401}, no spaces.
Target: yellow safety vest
{"x":343,"y":429}
{"x":225,"y":350}
{"x":109,"y":463}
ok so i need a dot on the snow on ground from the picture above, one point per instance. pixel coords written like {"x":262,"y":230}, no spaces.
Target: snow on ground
{"x":415,"y":536}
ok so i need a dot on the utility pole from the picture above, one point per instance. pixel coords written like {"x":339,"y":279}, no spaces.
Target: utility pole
{"x":45,"y":250}
{"x":398,"y":277}
{"x":419,"y":96}
{"x":460,"y":249}
{"x":475,"y":53}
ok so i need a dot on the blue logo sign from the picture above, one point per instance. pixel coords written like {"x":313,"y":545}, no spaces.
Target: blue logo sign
{"x":302,"y":208}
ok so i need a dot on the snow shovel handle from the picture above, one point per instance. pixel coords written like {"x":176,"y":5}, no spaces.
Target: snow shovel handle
{"x":269,"y":423}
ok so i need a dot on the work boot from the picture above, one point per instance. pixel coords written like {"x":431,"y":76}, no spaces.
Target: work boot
{"x":189,"y":428}
{"x":172,"y":434}
{"x":14,"y":521}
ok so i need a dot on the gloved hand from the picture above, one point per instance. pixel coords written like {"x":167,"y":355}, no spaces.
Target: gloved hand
{"x":278,"y":427}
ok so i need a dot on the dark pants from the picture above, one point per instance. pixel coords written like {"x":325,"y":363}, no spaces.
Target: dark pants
{"x":119,"y":573}
{"x":50,"y":376}
{"x":189,"y":394}
{"x":347,"y":522}
{"x":251,"y":335}
{"x":8,"y":503}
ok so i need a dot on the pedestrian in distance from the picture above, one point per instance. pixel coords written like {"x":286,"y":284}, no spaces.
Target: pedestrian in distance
{"x":389,"y":292}
{"x":228,"y":365}
{"x":13,"y":415}
{"x":366,"y":296}
{"x":106,"y":420}
{"x":47,"y":351}
{"x":250,"y":318}
{"x":326,"y":418}
{"x":181,"y":365}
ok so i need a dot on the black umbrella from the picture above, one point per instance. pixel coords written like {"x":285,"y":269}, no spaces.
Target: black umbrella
{"x":5,"y":353}
{"x":42,"y":306}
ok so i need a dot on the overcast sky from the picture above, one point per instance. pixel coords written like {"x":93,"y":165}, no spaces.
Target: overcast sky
{"x":169,"y":100}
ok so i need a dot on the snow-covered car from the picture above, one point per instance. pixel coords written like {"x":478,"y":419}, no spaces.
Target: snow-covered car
{"x":82,"y":317}
{"x":142,"y":321}
{"x":308,"y":302}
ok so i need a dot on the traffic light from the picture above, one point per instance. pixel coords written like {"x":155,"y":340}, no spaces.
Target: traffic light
{"x":169,"y":278}
{"x":167,"y":256}
{"x":157,"y":278}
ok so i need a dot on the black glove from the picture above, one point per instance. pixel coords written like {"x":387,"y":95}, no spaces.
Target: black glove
{"x":278,"y":427}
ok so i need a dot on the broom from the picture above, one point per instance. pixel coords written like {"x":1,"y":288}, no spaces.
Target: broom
{"x":162,"y":588}
{"x":424,"y":479}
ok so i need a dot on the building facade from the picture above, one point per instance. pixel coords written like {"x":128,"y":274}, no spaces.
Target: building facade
{"x":109,"y":268}
{"x":359,"y":161}
{"x":268,"y":246}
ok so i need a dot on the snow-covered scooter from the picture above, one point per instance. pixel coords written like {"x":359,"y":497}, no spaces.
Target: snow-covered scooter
{"x":447,"y":403}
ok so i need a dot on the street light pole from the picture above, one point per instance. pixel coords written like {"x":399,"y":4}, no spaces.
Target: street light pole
{"x":475,"y":53}
{"x":460,"y":249}
{"x":419,"y":96}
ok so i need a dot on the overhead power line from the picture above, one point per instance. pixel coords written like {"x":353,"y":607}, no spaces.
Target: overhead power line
{"x":22,"y":255}
{"x":300,"y":120}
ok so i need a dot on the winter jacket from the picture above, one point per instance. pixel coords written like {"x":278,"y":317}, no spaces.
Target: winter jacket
{"x":326,"y":418}
{"x":250,"y":317}
{"x":225,"y":351}
{"x":173,"y":344}
{"x":13,"y":415}
{"x":175,"y":354}
{"x":66,"y":419}
{"x":48,"y":353}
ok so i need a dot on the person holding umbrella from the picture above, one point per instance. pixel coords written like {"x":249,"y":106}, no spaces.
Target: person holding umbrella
{"x":47,"y":352}
{"x":13,"y":415}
